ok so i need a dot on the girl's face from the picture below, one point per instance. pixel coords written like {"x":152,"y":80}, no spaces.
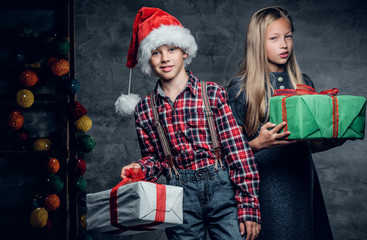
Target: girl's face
{"x":279,"y":44}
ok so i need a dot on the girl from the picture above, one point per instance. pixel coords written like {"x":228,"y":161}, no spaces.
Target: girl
{"x":292,"y":205}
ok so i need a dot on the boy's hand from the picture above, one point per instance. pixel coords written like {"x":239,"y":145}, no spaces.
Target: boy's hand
{"x":252,"y":229}
{"x":131,"y":165}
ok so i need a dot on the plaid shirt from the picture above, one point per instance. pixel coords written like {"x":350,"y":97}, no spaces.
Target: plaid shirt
{"x":187,"y":130}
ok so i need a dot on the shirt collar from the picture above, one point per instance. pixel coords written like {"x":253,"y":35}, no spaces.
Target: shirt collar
{"x":191,"y":85}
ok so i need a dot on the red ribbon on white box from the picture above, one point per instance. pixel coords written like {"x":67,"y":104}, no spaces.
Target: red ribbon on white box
{"x":160,"y":205}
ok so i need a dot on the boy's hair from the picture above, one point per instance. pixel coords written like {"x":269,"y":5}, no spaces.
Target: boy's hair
{"x":154,"y":28}
{"x":254,"y":67}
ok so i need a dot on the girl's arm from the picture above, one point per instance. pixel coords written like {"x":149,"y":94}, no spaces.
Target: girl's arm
{"x":266,"y":138}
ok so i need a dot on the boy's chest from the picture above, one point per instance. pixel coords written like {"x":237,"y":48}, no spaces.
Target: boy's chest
{"x":183,"y":112}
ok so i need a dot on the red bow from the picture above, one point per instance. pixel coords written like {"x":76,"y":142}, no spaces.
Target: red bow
{"x":134,"y":175}
{"x":304,"y":90}
{"x":307,"y":90}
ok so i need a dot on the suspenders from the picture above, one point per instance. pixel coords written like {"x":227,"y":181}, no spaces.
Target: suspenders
{"x":163,"y":139}
{"x":211,"y":124}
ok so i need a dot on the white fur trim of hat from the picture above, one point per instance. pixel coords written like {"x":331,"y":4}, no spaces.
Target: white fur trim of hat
{"x":170,"y":35}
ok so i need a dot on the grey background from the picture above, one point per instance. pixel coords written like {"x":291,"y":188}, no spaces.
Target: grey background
{"x":330,"y":41}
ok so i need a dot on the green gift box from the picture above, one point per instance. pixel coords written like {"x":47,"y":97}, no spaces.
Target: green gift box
{"x":319,"y":116}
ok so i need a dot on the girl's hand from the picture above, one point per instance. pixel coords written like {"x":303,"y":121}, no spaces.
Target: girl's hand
{"x":131,"y":165}
{"x":270,"y":138}
{"x":252,"y":229}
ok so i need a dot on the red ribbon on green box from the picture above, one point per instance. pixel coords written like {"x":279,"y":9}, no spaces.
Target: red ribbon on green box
{"x":312,"y":115}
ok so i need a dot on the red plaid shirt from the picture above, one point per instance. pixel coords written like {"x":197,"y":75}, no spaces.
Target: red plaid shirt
{"x":187,"y":130}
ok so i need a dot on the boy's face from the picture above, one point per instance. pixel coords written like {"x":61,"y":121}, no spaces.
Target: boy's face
{"x":168,"y":62}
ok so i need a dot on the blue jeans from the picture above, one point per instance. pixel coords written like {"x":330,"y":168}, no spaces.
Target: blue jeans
{"x":208,"y":205}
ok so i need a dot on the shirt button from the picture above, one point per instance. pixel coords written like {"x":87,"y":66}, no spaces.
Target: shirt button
{"x":280,"y":79}
{"x":281,"y":87}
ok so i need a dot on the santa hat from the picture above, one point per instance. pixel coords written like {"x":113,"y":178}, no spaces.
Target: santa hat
{"x":154,"y":28}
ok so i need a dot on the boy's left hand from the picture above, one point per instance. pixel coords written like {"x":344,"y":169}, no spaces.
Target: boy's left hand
{"x":252,"y":229}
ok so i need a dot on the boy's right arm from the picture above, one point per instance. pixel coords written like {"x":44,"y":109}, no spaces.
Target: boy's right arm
{"x":150,"y":163}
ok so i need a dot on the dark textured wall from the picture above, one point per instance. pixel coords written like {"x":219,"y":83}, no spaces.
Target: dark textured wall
{"x":330,"y":41}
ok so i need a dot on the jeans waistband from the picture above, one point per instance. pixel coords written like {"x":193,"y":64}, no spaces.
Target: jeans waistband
{"x":198,"y":173}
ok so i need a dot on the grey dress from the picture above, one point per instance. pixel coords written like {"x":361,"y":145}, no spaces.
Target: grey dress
{"x":291,"y":202}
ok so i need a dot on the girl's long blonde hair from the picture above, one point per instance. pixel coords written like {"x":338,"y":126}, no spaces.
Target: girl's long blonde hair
{"x":254,"y":71}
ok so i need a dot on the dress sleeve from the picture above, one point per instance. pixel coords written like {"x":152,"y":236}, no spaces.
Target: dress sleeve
{"x":239,"y":157}
{"x":237,"y":102}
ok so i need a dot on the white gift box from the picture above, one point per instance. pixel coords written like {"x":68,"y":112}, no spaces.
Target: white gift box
{"x":134,"y":208}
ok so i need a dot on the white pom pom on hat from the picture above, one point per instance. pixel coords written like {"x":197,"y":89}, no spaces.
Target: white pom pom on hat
{"x":125,"y":104}
{"x":153,"y":28}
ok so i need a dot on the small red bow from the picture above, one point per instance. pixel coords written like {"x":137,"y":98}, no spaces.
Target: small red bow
{"x":135,"y":174}
{"x":304,"y":90}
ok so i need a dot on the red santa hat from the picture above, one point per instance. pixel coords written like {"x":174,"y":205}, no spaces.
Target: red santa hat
{"x":153,"y":28}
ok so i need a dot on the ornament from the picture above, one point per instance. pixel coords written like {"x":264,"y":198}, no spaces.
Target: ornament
{"x":35,"y":65}
{"x":86,"y":143}
{"x":72,"y":86}
{"x":52,"y":202}
{"x":54,"y":183}
{"x":76,"y":110}
{"x":53,"y":165}
{"x":48,"y":227}
{"x":51,"y":60}
{"x":38,"y":197}
{"x":82,"y":199}
{"x":83,"y":221}
{"x":34,"y":204}
{"x":25,"y":98}
{"x":60,"y":67}
{"x":51,"y":35}
{"x":15,"y":120}
{"x":19,"y":57}
{"x":80,"y":184}
{"x":83,"y":124}
{"x":79,"y":167}
{"x":39,"y":217}
{"x":61,"y":46}
{"x":42,"y":144}
{"x":28,"y":78}
{"x":24,"y":30}
{"x":21,"y":136}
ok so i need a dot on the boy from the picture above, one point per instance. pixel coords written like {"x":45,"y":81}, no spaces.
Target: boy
{"x":162,"y":46}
